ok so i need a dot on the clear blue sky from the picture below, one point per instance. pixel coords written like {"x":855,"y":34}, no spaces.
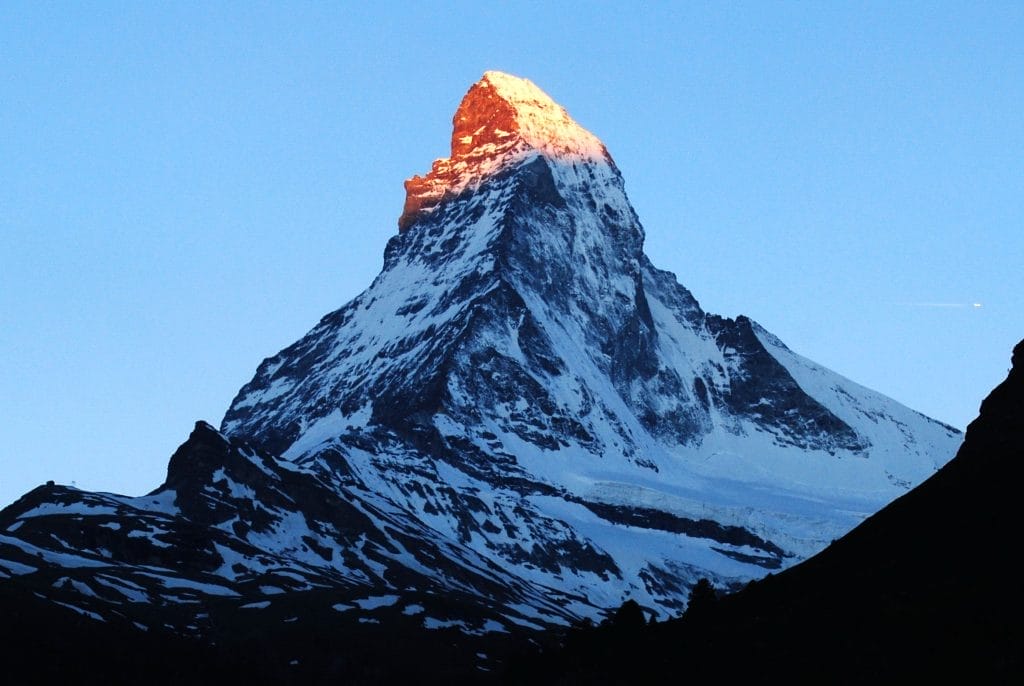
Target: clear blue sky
{"x":186,"y":188}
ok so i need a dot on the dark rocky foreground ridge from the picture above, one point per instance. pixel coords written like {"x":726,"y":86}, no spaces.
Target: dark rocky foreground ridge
{"x":929,"y":588}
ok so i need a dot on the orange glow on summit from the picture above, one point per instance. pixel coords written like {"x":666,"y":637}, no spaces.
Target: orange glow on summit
{"x":501,"y":119}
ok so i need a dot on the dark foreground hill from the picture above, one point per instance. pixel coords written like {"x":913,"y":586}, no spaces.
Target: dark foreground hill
{"x":42,"y":643}
{"x":928,"y":588}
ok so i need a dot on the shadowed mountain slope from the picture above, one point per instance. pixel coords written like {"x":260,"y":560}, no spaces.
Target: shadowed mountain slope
{"x":929,"y":587}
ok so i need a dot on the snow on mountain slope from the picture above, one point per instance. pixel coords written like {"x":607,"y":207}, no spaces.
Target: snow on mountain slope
{"x":520,"y":411}
{"x":518,"y":342}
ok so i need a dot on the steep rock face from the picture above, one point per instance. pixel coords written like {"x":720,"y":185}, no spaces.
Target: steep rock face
{"x":521,"y":413}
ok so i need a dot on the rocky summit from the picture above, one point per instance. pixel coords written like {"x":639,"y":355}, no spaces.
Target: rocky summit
{"x":520,"y":423}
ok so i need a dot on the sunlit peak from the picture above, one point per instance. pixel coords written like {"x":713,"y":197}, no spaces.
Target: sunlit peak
{"x":501,"y":120}
{"x":500,"y":105}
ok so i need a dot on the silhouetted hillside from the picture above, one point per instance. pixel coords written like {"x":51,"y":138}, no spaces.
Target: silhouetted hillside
{"x":926,"y":588}
{"x":41,"y":644}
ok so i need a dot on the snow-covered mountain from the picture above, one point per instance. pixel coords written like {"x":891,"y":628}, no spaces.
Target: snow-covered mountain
{"x":521,"y":422}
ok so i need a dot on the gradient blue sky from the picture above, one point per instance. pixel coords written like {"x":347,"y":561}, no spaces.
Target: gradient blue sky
{"x":186,"y":188}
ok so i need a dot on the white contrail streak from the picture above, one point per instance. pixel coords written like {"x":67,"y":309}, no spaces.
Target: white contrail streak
{"x":975,"y":305}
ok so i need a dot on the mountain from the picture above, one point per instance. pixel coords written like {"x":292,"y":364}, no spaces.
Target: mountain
{"x":521,"y":378}
{"x":519,"y":424}
{"x":926,"y":589}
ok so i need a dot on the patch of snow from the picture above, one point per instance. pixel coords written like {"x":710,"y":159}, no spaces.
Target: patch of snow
{"x":150,"y":535}
{"x":81,"y":611}
{"x":60,"y":559}
{"x":189,"y":584}
{"x":130,"y":591}
{"x":373,"y":602}
{"x":17,"y":568}
{"x":259,"y":605}
{"x":433,"y":623}
{"x":492,"y":626}
{"x":79,"y":508}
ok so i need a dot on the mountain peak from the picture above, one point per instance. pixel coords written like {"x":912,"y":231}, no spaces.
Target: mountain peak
{"x":500,"y":106}
{"x":501,"y":119}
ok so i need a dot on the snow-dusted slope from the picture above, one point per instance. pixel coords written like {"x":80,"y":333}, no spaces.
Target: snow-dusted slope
{"x":522,"y":410}
{"x":519,"y":343}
